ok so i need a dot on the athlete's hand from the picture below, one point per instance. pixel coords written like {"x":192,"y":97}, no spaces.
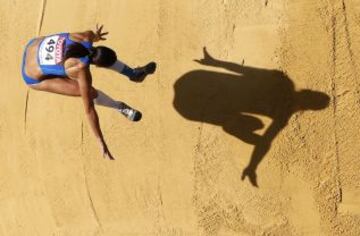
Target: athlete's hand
{"x":98,"y":34}
{"x":207,"y":60}
{"x":105,"y":151}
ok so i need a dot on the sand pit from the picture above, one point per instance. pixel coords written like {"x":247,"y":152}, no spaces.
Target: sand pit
{"x":178,"y":171}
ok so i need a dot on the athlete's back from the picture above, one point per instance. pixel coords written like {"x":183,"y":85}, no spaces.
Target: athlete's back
{"x":45,"y":55}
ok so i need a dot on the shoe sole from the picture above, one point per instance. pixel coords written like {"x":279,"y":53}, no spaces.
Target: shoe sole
{"x":136,"y":117}
{"x":148,"y":69}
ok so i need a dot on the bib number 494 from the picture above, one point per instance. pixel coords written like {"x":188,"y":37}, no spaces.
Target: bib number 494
{"x":50,"y":52}
{"x":50,"y":48}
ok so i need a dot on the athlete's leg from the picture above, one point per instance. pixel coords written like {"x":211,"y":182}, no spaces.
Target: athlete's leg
{"x":64,"y":86}
{"x":122,"y":68}
{"x":103,"y":99}
{"x":70,"y":87}
{"x":138,"y":74}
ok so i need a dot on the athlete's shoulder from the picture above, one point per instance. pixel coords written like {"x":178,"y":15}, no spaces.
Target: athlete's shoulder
{"x":64,"y":34}
{"x":86,"y":36}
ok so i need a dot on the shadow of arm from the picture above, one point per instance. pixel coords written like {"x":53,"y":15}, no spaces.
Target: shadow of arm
{"x":208,"y":60}
{"x":241,"y":69}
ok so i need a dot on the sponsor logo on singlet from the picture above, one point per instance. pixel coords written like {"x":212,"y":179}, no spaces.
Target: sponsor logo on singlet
{"x":51,"y":50}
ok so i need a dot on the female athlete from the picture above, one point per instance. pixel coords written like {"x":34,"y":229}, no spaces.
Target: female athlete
{"x":60,"y":63}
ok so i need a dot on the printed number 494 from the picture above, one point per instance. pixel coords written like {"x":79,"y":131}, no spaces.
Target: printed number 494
{"x":50,"y":48}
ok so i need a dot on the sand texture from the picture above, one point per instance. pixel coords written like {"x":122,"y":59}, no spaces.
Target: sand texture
{"x":280,"y":90}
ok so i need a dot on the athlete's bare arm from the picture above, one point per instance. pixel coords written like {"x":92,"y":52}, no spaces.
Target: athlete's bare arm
{"x":83,"y":76}
{"x":90,"y":35}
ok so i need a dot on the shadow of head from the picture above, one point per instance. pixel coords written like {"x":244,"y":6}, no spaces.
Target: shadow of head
{"x":310,"y":100}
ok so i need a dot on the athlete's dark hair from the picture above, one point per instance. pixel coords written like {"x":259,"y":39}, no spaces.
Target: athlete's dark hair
{"x":103,"y":56}
{"x":100,"y":56}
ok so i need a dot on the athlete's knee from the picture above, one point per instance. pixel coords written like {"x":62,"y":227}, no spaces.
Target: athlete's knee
{"x":93,"y":93}
{"x":37,"y":87}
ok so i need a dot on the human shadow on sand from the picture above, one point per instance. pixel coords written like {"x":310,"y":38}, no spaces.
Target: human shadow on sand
{"x":229,"y":99}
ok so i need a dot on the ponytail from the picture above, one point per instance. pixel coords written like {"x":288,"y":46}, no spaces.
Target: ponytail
{"x":100,"y":56}
{"x":77,"y":50}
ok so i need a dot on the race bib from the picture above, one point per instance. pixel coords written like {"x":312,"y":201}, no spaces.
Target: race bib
{"x":51,"y":50}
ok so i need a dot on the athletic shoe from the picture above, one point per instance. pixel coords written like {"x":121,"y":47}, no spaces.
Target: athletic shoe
{"x":142,"y":72}
{"x":129,"y":112}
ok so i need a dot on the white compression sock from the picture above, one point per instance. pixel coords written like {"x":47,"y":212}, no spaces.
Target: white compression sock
{"x":124,"y":69}
{"x":104,"y":100}
{"x":118,"y":66}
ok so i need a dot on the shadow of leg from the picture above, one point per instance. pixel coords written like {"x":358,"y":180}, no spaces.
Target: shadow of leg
{"x":243,"y":127}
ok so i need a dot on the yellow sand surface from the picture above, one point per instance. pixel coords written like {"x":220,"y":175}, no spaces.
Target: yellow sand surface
{"x":178,"y":171}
